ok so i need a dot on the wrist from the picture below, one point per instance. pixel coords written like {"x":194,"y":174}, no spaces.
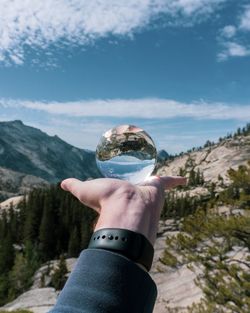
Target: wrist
{"x":135,"y":220}
{"x":130,"y":244}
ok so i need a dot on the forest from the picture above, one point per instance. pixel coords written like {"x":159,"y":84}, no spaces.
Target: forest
{"x":46,"y":225}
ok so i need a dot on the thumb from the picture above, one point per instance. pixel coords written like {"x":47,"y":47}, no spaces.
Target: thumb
{"x":84,"y":191}
{"x":66,"y":183}
{"x":70,"y":184}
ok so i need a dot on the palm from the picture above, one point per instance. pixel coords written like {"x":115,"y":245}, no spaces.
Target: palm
{"x":123,"y":205}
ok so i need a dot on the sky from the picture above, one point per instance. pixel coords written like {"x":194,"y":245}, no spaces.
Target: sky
{"x":180,"y":69}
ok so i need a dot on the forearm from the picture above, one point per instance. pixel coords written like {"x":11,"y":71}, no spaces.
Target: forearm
{"x":103,"y":281}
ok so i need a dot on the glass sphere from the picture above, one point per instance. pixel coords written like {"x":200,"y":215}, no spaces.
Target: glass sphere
{"x":126,"y":152}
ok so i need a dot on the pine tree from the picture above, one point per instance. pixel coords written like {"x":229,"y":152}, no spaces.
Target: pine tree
{"x":85,"y":235}
{"x":192,"y":178}
{"x":4,"y":288}
{"x":59,"y":277}
{"x":74,"y":243}
{"x":20,"y":276}
{"x":7,"y":254}
{"x":47,"y":230}
{"x":32,"y":218}
{"x":182,"y":172}
{"x":3,"y":226}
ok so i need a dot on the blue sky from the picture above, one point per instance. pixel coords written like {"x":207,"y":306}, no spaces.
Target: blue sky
{"x":180,"y":69}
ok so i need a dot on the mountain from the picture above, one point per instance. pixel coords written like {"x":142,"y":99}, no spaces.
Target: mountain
{"x":162,"y":156}
{"x":30,"y":151}
{"x":213,"y":161}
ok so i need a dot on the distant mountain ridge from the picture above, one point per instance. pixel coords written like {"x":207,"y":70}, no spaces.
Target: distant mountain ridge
{"x":28,"y":150}
{"x":162,"y":156}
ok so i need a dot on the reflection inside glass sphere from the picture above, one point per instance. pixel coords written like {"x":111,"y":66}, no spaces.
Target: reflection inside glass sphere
{"x":126,"y":152}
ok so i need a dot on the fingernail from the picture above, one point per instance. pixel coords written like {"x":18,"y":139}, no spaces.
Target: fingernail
{"x":64,"y":185}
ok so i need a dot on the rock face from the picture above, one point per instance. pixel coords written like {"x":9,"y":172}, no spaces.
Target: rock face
{"x":176,"y":287}
{"x":36,"y":300}
{"x":13,"y":183}
{"x":212,"y":161}
{"x":5,"y":205}
{"x":47,"y":270}
{"x":30,"y":151}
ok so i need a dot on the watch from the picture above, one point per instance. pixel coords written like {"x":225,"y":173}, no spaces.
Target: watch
{"x":132,"y":245}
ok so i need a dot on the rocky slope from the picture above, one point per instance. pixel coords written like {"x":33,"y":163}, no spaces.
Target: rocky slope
{"x":14,"y":183}
{"x":176,"y":287}
{"x":212,"y":161}
{"x":30,"y":151}
{"x":11,"y":202}
{"x":37,"y":299}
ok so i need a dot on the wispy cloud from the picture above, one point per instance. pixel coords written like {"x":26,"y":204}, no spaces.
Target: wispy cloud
{"x":82,"y":134}
{"x":39,"y":24}
{"x":228,"y":31}
{"x":233,"y":49}
{"x":134,"y":108}
{"x":245,"y":19}
{"x":232,"y":38}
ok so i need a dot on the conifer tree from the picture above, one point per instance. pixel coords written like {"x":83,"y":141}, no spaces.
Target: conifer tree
{"x":59,"y":277}
{"x":47,"y":230}
{"x":4,"y":288}
{"x":192,"y":178}
{"x":20,"y":276}
{"x":3,"y":226}
{"x":85,"y":235}
{"x":7,"y":254}
{"x":32,"y":213}
{"x":74,"y":243}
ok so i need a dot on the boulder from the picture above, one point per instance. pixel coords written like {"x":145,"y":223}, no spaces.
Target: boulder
{"x":39,"y":300}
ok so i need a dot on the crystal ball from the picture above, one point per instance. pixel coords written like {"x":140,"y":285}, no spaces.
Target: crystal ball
{"x":126,"y":152}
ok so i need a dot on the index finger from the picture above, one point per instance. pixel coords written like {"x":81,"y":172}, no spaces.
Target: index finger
{"x":167,"y":182}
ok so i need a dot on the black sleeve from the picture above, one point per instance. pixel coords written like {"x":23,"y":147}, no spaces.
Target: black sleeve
{"x":106,"y":282}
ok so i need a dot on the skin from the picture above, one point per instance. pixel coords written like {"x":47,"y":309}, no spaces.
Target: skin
{"x":123,"y":205}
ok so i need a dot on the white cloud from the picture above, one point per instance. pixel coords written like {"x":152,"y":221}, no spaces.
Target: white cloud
{"x":136,"y":108}
{"x":38,"y":24}
{"x":245,"y":19}
{"x":233,"y":49}
{"x":240,"y":46}
{"x":228,"y":31}
{"x":190,"y":7}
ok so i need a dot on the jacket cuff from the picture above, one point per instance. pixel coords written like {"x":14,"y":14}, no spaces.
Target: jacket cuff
{"x":104,"y":281}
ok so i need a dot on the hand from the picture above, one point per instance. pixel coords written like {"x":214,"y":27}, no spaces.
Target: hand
{"x":123,"y":205}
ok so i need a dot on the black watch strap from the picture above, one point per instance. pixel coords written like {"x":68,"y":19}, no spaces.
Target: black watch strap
{"x":134,"y":246}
